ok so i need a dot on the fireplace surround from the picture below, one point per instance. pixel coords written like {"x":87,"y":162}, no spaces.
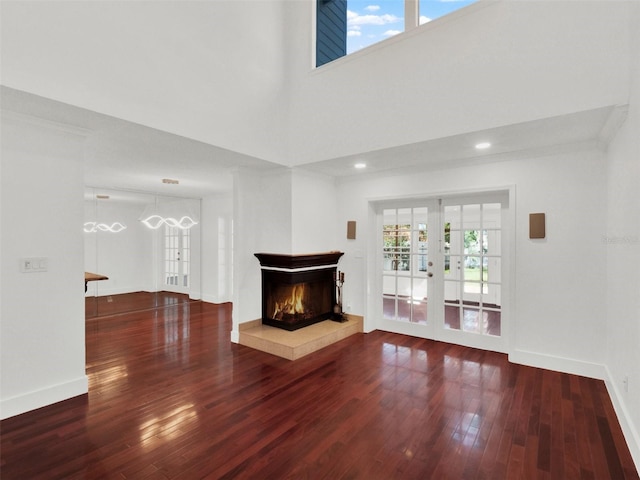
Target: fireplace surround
{"x":298,"y":290}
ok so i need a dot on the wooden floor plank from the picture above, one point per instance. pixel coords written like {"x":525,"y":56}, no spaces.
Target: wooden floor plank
{"x":171,"y":398}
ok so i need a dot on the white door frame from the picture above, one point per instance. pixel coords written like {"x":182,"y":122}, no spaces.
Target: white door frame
{"x":183,"y":260}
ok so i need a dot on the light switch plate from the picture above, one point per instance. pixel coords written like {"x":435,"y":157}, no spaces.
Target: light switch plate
{"x":34,"y":264}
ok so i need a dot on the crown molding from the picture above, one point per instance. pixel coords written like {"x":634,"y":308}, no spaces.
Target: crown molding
{"x":12,"y":115}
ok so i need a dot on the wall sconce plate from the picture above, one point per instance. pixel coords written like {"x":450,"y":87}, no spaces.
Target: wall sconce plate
{"x":537,"y":225}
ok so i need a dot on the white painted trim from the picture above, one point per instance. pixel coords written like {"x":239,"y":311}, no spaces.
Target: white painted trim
{"x":631,"y":434}
{"x":45,"y":123}
{"x":615,"y":120}
{"x":403,"y":200}
{"x":235,"y":336}
{"x":107,"y":292}
{"x":41,"y":398}
{"x":558,"y":364}
{"x":210,"y":299}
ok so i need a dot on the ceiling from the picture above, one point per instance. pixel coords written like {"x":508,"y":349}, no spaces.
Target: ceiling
{"x":511,"y":141}
{"x":125,"y":155}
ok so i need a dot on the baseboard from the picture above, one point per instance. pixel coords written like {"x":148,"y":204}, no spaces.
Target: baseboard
{"x":106,"y":292}
{"x":210,"y":298}
{"x":214,"y":299}
{"x":13,"y":406}
{"x":235,"y":334}
{"x":631,"y":434}
{"x":559,"y":364}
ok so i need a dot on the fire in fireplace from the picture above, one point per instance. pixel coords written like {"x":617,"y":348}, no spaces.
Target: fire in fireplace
{"x":297,"y":290}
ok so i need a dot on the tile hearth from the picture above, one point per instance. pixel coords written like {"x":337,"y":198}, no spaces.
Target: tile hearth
{"x":296,"y":344}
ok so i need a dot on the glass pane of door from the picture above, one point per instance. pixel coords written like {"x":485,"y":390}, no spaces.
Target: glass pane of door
{"x":472,"y":268}
{"x":405,"y":259}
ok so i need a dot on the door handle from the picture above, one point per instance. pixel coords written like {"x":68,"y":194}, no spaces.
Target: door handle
{"x":429,"y":274}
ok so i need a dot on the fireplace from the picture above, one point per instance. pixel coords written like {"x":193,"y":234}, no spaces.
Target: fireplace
{"x":298,"y":290}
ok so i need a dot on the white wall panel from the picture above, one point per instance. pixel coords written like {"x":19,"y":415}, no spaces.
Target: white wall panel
{"x":42,"y":313}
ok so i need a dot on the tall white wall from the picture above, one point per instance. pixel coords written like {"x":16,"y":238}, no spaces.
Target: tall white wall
{"x":489,"y":65}
{"x":212,"y":71}
{"x":284,"y":211}
{"x":554,"y":320}
{"x":42,"y":314}
{"x":217,"y":253}
{"x":261,"y":223}
{"x":622,"y":244}
{"x":313,"y":212}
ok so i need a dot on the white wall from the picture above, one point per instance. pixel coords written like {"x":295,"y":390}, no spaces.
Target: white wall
{"x":261,"y":223}
{"x":313,"y":213}
{"x":212,"y":71}
{"x":493,"y":64}
{"x":554,"y":321}
{"x":251,"y":87}
{"x":127,"y":257}
{"x":217,"y":255}
{"x":285,"y":211}
{"x":621,"y":239}
{"x":42,"y":314}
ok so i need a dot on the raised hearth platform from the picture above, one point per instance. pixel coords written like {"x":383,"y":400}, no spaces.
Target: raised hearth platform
{"x":298,"y":343}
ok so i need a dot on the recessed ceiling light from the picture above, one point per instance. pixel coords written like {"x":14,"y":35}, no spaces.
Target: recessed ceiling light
{"x":170,"y":181}
{"x":360,"y":165}
{"x":482,"y":145}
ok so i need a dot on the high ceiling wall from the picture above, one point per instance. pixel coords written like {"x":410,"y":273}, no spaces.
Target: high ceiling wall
{"x":489,"y":65}
{"x":238,"y":74}
{"x":210,"y":71}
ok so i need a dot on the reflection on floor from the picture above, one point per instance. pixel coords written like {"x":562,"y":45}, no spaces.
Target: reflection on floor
{"x":486,"y":321}
{"x":131,"y":302}
{"x":473,"y":320}
{"x":171,"y":397}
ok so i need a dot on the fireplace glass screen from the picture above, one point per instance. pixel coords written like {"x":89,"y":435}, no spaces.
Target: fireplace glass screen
{"x":295,"y":300}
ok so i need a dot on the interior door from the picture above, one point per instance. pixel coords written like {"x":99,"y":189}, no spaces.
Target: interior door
{"x":177,"y":259}
{"x":441,"y":269}
{"x":473,"y":250}
{"x":409,"y":265}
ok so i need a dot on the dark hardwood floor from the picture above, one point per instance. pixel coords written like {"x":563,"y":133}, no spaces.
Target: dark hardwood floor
{"x":171,"y":397}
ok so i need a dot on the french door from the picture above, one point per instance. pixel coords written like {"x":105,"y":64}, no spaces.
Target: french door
{"x":177,"y":259}
{"x":441,"y":269}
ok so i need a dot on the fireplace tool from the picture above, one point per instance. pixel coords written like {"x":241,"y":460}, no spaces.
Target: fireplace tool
{"x":338,"y":315}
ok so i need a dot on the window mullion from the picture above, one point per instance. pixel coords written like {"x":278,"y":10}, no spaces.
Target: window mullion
{"x":411,"y":14}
